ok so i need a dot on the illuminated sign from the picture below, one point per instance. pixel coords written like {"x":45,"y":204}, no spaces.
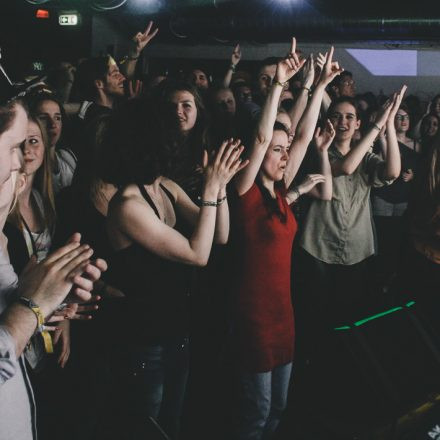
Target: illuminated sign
{"x":42,"y":13}
{"x":68,"y":19}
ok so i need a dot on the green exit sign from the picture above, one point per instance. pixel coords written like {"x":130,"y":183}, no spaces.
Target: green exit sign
{"x":71,"y":19}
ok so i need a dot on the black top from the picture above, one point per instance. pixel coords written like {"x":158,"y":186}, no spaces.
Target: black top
{"x":399,"y":190}
{"x":156,"y":289}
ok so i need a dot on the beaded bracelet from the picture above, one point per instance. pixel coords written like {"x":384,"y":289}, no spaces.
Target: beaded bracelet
{"x":374,"y":125}
{"x":278,"y":83}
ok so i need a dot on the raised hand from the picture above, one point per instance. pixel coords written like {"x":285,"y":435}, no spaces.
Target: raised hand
{"x":308,"y":73}
{"x":141,"y":39}
{"x":330,"y":69}
{"x":320,"y":61}
{"x":135,"y":88}
{"x":389,"y":109}
{"x":397,"y":100}
{"x":323,"y":138}
{"x":223,"y":164}
{"x":236,"y":55}
{"x":290,"y":65}
{"x":309,"y":182}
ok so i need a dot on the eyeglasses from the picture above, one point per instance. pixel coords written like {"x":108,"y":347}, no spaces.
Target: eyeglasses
{"x":402,"y":117}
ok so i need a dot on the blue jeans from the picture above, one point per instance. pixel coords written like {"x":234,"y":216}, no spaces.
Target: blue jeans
{"x":154,"y":382}
{"x":261,"y":402}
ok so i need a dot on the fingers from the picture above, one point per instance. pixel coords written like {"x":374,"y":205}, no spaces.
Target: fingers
{"x":317,"y":132}
{"x":56,"y":336}
{"x":293,"y":46}
{"x":75,"y":262}
{"x":329,"y":127}
{"x":242,"y":165}
{"x":205,"y":159}
{"x":79,"y":295}
{"x":225,"y":149}
{"x":148,"y":29}
{"x":75,"y":238}
{"x":83,"y":283}
{"x":234,"y":156}
{"x":330,"y":56}
{"x":100,"y":264}
{"x":93,"y":273}
{"x":61,"y":252}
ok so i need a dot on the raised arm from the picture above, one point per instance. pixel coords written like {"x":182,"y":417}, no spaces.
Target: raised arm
{"x":139,"y":41}
{"x":353,"y":158}
{"x":286,"y":68}
{"x":235,"y":59}
{"x":392,"y":160}
{"x":307,"y":124}
{"x":190,"y":211}
{"x":136,"y":220}
{"x":303,"y":95}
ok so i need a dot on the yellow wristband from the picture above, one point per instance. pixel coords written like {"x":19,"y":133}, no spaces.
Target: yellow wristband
{"x":47,"y":339}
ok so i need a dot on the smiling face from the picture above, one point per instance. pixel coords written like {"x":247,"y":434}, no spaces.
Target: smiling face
{"x":49,"y":113}
{"x":401,"y":121}
{"x":429,"y":126}
{"x":33,"y":152}
{"x":113,"y":84}
{"x":344,"y":120}
{"x":184,"y":110}
{"x":275,"y":160}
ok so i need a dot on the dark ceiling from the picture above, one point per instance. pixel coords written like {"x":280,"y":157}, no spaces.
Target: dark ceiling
{"x":222,"y":21}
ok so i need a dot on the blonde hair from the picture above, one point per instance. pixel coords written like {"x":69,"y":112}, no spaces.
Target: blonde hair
{"x":43,"y":183}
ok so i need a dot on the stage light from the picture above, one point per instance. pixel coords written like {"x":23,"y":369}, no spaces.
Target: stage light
{"x":42,"y":13}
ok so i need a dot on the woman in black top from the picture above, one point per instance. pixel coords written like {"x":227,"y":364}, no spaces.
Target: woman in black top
{"x":151,"y":259}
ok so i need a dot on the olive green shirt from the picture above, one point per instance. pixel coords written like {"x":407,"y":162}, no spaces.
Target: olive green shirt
{"x":340,"y":230}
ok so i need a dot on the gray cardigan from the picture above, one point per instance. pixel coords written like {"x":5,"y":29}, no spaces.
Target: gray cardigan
{"x":17,"y":405}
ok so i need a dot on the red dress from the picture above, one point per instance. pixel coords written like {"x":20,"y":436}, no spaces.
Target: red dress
{"x":261,"y":256}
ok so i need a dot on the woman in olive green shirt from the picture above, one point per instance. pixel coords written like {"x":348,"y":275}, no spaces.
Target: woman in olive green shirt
{"x":338,"y":234}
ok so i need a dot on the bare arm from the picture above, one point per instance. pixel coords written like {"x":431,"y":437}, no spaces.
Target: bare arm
{"x":353,"y":158}
{"x":140,"y":40}
{"x":323,"y":140}
{"x":301,"y":101}
{"x":392,"y":159}
{"x":307,"y":124}
{"x":235,"y":59}
{"x":285,"y":70}
{"x":47,"y":284}
{"x":135,"y":219}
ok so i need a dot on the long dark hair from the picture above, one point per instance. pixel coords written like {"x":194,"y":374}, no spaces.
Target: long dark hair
{"x":271,"y":203}
{"x":198,"y":139}
{"x":131,"y":142}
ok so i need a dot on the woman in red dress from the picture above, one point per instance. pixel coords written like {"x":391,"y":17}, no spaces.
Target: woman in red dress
{"x":263,"y":229}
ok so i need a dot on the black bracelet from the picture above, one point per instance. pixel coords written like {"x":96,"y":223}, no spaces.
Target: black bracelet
{"x":221,"y":200}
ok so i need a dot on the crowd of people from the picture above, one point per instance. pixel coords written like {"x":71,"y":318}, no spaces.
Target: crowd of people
{"x":219,"y":207}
